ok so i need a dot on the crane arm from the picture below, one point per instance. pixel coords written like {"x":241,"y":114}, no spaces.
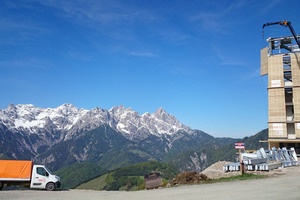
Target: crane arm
{"x":282,"y":23}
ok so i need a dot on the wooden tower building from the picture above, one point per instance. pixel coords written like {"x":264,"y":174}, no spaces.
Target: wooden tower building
{"x":280,"y":60}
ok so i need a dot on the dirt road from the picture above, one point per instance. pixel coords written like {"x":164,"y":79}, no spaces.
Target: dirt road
{"x":286,"y":186}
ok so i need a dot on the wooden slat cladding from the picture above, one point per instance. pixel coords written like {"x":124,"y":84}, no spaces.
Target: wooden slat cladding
{"x":264,"y":61}
{"x":277,"y":112}
{"x":275,"y":71}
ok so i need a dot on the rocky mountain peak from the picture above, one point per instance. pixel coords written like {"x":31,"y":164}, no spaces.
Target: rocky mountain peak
{"x":117,"y":110}
{"x":67,"y":105}
{"x":67,"y":109}
{"x":11,"y":107}
{"x":98,"y":111}
{"x":160,"y":113}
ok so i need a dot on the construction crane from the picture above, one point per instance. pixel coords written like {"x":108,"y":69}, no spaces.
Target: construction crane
{"x":285,"y":24}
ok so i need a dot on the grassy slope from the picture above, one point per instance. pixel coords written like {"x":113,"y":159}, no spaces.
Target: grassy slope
{"x":73,"y":175}
{"x":95,"y":184}
{"x":130,"y":177}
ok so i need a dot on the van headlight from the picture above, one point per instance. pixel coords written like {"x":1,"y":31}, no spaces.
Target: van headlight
{"x":57,"y":177}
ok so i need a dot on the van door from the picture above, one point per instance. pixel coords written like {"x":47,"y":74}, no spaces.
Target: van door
{"x":39,"y":177}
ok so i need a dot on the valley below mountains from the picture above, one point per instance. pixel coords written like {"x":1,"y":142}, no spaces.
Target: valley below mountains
{"x":62,"y":136}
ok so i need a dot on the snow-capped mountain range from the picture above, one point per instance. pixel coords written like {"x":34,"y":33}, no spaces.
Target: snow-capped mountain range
{"x":65,"y":135}
{"x":69,"y":120}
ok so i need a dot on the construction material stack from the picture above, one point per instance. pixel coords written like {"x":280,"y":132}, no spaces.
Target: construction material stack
{"x":265,"y":160}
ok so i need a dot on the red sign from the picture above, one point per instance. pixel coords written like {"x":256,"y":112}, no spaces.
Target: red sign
{"x":239,"y":146}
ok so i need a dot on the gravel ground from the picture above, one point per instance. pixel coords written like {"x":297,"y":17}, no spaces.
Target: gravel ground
{"x":283,"y":184}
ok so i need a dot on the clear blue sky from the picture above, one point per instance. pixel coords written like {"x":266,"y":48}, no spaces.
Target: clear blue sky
{"x":199,"y":60}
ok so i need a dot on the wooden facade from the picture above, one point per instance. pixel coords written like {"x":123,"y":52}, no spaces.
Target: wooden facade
{"x":277,"y":112}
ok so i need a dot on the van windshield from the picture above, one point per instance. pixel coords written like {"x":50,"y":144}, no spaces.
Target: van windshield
{"x":48,"y":170}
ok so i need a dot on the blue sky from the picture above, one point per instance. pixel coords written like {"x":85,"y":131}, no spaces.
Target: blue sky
{"x":199,"y":60}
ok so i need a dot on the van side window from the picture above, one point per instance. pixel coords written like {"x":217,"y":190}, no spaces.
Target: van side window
{"x":41,"y":171}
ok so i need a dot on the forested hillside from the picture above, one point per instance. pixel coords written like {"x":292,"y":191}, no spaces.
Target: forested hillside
{"x":211,"y":152}
{"x":130,"y":177}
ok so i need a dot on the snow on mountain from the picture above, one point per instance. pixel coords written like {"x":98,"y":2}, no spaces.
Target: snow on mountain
{"x":70,"y":120}
{"x":31,"y":118}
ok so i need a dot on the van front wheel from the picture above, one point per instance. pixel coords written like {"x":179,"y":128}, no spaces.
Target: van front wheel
{"x":50,"y":186}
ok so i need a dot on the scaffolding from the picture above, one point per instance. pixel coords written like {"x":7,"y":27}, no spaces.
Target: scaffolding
{"x":282,"y":45}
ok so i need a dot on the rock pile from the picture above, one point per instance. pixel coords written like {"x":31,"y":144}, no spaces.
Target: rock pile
{"x":215,"y":171}
{"x":189,"y":178}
